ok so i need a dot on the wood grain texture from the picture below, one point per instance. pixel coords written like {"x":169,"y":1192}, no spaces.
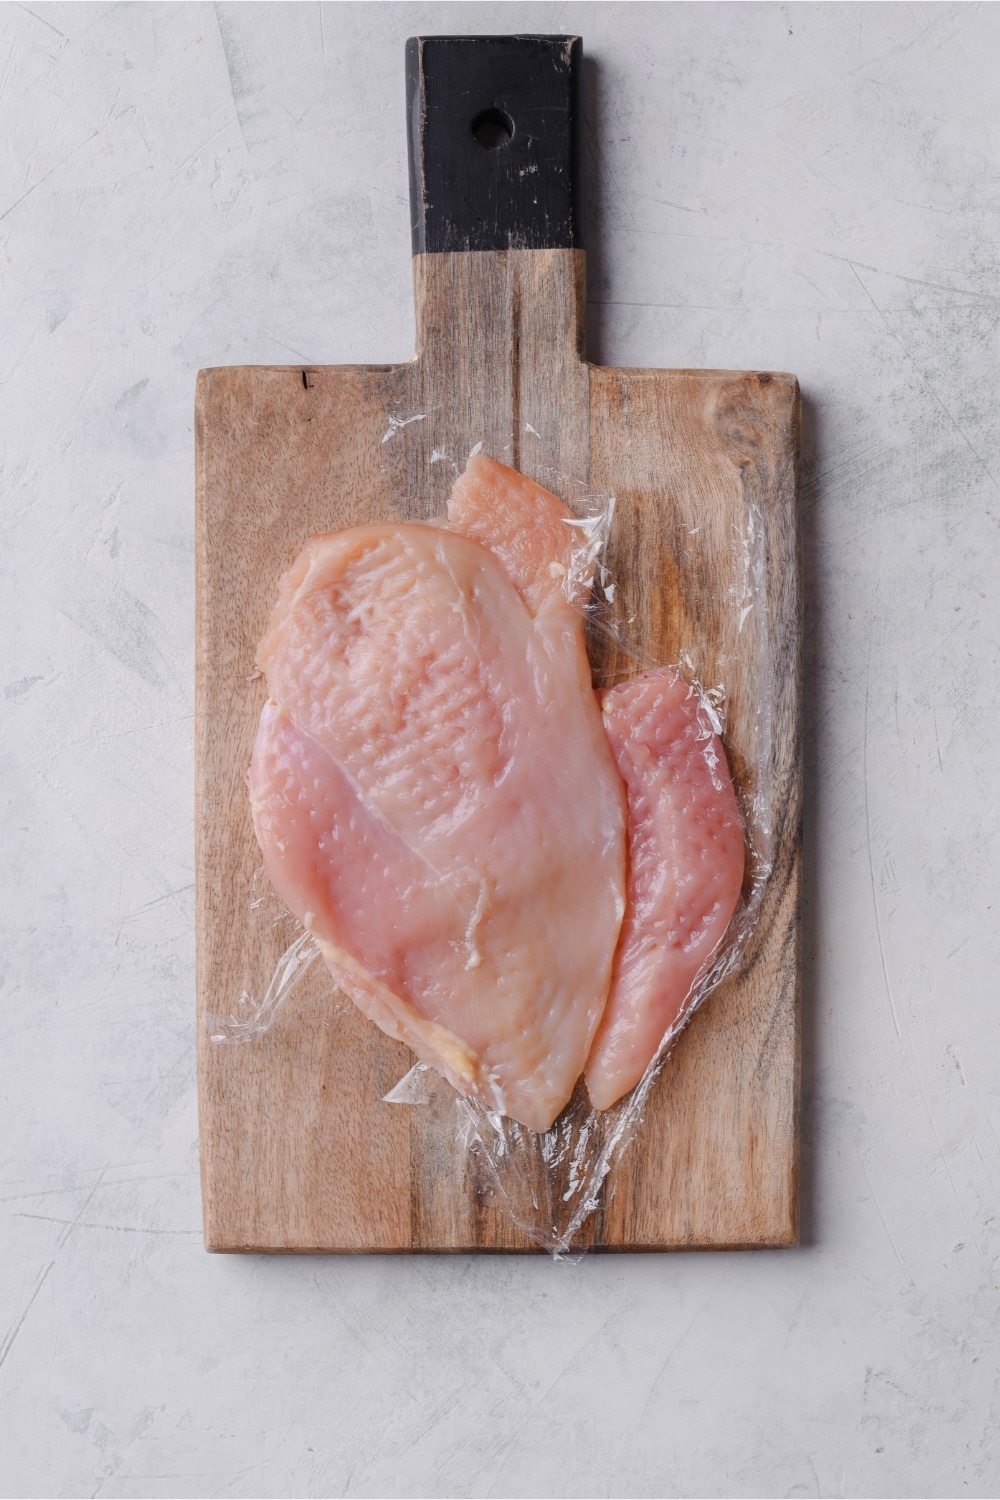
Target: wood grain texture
{"x":298,"y":1152}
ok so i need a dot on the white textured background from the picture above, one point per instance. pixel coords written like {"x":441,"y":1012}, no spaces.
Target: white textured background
{"x":807,"y":187}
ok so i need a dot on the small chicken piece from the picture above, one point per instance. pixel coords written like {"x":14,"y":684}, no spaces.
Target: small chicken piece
{"x":531,"y":531}
{"x":436,"y":800}
{"x":686,"y":864}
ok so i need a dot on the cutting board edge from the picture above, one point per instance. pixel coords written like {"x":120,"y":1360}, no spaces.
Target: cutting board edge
{"x":790,"y":1241}
{"x":384,"y":367}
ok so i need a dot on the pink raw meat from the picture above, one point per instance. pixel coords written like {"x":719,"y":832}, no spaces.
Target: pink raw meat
{"x":686,"y":863}
{"x":436,"y":800}
{"x":435,"y":797}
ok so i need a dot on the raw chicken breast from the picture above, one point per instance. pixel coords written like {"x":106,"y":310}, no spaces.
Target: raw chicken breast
{"x":529,"y":529}
{"x":436,"y":800}
{"x":685,"y":832}
{"x":686,"y":862}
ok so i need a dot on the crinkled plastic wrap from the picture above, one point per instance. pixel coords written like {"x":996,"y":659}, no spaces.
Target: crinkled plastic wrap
{"x":550,"y":1182}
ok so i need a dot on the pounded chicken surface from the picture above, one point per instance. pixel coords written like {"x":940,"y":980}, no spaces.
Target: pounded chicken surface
{"x":435,"y":798}
{"x":686,"y":860}
{"x":439,"y":800}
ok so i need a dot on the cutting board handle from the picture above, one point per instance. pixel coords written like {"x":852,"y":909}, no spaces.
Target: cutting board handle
{"x":495,"y":127}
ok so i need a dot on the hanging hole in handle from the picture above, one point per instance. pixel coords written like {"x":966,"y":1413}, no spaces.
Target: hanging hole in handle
{"x":492,"y":129}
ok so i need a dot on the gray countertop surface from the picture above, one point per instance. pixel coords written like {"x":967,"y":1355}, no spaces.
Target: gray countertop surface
{"x":805,"y":187}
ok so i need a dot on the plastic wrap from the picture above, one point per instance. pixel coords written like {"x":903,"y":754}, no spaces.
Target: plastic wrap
{"x":551,"y":1181}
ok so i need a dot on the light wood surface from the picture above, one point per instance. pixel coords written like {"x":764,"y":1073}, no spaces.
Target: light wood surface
{"x":298,"y":1151}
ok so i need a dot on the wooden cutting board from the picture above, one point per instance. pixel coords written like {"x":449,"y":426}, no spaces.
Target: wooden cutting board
{"x":298,"y":1152}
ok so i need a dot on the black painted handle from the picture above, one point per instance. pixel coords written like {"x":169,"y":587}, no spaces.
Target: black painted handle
{"x":495,"y":127}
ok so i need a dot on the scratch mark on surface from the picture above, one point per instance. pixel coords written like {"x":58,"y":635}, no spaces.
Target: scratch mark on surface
{"x":513,"y":1436}
{"x":169,"y":1073}
{"x":44,"y":1274}
{"x":885,"y":1223}
{"x":77,"y":1187}
{"x":690,"y":306}
{"x":669,"y":1356}
{"x":944,"y":1162}
{"x":60,"y":163}
{"x":232,"y":69}
{"x":928,"y":388}
{"x":35,"y":17}
{"x":936,"y":286}
{"x":986,"y":1169}
{"x":8,"y":68}
{"x":681,"y":208}
{"x":937,"y":739}
{"x":198,"y":149}
{"x":139,"y":911}
{"x":18,"y":201}
{"x":117,"y":1228}
{"x":300,"y":358}
{"x":235,"y":1478}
